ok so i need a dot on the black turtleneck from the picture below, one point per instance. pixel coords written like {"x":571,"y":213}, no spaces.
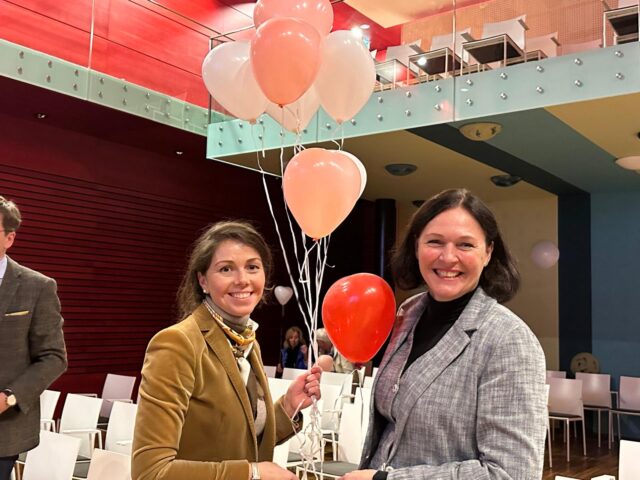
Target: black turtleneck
{"x":435,"y":322}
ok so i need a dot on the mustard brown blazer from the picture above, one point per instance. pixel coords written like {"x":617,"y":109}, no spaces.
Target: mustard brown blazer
{"x":194,"y":417}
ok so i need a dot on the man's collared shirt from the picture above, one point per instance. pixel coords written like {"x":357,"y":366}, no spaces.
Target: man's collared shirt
{"x":3,"y":267}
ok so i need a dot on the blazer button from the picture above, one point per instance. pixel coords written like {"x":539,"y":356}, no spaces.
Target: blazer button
{"x":395,"y":388}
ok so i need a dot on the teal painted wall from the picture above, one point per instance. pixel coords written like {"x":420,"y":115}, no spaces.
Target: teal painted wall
{"x":615,"y":256}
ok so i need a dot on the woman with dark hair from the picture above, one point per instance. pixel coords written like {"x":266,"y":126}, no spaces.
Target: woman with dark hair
{"x":205,"y":410}
{"x":460,"y":390}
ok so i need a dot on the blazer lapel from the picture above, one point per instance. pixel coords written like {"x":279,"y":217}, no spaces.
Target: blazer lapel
{"x":9,"y":285}
{"x":217,"y":340}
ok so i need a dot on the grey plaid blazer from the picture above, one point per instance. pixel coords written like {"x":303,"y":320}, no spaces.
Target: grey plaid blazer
{"x":32,"y":352}
{"x":473,"y":407}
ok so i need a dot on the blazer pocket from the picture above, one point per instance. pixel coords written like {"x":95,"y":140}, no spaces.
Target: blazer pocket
{"x":17,"y":314}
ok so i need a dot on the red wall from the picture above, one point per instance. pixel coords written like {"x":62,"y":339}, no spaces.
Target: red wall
{"x":112,"y":223}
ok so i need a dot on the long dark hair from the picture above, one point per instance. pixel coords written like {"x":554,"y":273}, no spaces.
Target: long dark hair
{"x":499,"y":279}
{"x":190,"y":293}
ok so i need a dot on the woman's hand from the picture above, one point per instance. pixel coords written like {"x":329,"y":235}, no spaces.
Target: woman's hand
{"x":271,"y":471}
{"x":302,"y":391}
{"x":359,"y":475}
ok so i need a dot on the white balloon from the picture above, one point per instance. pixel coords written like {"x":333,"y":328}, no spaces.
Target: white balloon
{"x":347,"y":75}
{"x":227,"y":74}
{"x":283,"y":294}
{"x":363,"y":171}
{"x":545,"y":254}
{"x":296,"y":116}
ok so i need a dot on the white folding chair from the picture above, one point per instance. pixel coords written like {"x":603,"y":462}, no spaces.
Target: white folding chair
{"x":565,"y":404}
{"x":48,"y":402}
{"x":270,"y":371}
{"x":53,"y":459}
{"x":120,"y":429}
{"x":629,"y":463}
{"x":596,"y":394}
{"x":292,"y":373}
{"x":278,"y":387}
{"x":628,"y":403}
{"x":106,"y":465}
{"x":80,"y":419}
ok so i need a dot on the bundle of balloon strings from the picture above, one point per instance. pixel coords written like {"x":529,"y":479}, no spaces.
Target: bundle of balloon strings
{"x":311,"y":442}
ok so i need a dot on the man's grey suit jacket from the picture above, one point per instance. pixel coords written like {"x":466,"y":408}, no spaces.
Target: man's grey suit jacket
{"x":32,"y":352}
{"x":473,"y":407}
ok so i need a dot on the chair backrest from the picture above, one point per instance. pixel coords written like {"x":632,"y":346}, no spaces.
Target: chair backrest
{"x":629,"y":394}
{"x":511,"y":27}
{"x":53,"y":459}
{"x":292,"y":373}
{"x":565,"y":396}
{"x":403,"y":52}
{"x":368,"y":382}
{"x":331,"y":406}
{"x":120,"y":427}
{"x":107,"y":465}
{"x":555,"y":374}
{"x":629,"y":464}
{"x":596,"y":389}
{"x":270,"y":371}
{"x":363,"y":402}
{"x":48,"y":402}
{"x":446,"y":41}
{"x":116,"y":387}
{"x":350,"y":434}
{"x":80,"y":413}
{"x":340,"y":379}
{"x":278,"y":387}
{"x":546,"y":43}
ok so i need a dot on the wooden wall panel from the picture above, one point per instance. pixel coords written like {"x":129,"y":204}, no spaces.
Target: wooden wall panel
{"x":113,"y":224}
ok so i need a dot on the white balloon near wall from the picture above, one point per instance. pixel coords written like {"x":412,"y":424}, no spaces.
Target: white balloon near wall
{"x":283,"y":294}
{"x":545,"y":254}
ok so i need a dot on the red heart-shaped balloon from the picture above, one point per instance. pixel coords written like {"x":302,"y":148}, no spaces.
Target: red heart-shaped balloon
{"x":358,"y":313}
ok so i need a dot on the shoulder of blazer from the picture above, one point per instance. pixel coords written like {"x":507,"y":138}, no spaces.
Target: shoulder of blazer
{"x":26,"y":272}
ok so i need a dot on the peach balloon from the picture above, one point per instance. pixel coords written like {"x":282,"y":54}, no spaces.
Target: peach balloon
{"x":285,"y":57}
{"x":317,"y":13}
{"x":321,"y":188}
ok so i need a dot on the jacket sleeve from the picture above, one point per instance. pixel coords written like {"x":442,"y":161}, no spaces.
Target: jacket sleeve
{"x":511,"y":417}
{"x":46,"y":348}
{"x":168,"y":379}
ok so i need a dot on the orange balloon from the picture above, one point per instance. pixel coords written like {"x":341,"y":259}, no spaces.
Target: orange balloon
{"x":358,"y":312}
{"x":285,"y":57}
{"x":320,"y":187}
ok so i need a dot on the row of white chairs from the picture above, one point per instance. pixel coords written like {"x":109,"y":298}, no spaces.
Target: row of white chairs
{"x":55,"y":459}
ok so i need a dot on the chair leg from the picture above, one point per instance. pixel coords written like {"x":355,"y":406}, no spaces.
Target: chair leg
{"x":610,"y":427}
{"x":599,"y":424}
{"x":619,"y":429}
{"x":584,"y":439}
{"x":567,"y":437}
{"x":549,"y":445}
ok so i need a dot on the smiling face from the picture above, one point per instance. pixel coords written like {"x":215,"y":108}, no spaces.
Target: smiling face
{"x":235,"y":278}
{"x":452,"y":252}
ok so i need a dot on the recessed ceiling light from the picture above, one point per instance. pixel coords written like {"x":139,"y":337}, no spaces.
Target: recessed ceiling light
{"x":365,"y":26}
{"x":481,"y":131}
{"x":505,"y":180}
{"x":179,"y":152}
{"x":631,"y":162}
{"x":400,"y":169}
{"x":41,"y":116}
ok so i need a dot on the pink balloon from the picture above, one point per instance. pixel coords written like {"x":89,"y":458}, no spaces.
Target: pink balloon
{"x":227,"y":74}
{"x":285,"y":56}
{"x":361,"y":169}
{"x":296,"y":116}
{"x":545,"y":254}
{"x":347,"y":75}
{"x":320,"y":187}
{"x":317,"y":13}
